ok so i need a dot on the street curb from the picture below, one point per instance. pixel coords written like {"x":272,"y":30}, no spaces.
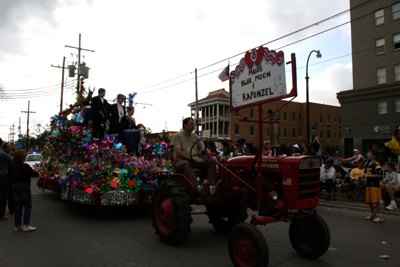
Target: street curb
{"x":384,"y":211}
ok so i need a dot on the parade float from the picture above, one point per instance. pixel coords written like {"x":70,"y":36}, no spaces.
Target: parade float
{"x":99,"y":172}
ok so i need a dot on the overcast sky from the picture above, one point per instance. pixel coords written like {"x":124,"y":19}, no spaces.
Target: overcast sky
{"x":141,"y":45}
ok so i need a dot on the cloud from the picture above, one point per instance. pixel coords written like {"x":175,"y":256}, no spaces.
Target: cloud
{"x":332,"y":80}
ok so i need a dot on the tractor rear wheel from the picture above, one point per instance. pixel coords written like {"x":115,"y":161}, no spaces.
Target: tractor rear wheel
{"x":171,"y":212}
{"x":310,"y":236}
{"x":224,"y":216}
{"x":247,"y":246}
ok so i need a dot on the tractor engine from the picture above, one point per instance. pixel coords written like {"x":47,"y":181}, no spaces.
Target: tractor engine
{"x":288,"y":182}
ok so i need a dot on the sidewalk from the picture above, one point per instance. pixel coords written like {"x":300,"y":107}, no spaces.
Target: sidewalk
{"x":343,"y":202}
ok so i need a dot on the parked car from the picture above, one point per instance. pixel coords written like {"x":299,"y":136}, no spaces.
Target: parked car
{"x":33,"y":159}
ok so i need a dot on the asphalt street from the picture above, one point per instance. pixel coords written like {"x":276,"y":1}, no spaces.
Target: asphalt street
{"x":70,"y":234}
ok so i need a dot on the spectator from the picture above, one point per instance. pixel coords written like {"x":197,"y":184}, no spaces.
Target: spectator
{"x":324,"y":156}
{"x":296,"y":150}
{"x":373,"y":173}
{"x":267,"y":149}
{"x":358,"y":182}
{"x":391,"y":184}
{"x":10,"y":200}
{"x":239,"y":146}
{"x":356,"y":158}
{"x":22,"y":191}
{"x":4,"y":158}
{"x":327,"y":176}
{"x":316,"y":145}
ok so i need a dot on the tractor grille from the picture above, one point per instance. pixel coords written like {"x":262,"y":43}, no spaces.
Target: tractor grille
{"x":308,"y":181}
{"x":308,"y":187}
{"x":307,"y":195}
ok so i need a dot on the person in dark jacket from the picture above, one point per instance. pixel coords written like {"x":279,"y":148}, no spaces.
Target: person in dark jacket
{"x":99,"y":107}
{"x":114,"y":114}
{"x":22,"y":174}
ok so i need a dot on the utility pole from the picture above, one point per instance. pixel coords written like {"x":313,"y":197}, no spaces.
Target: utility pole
{"x":197,"y":104}
{"x":62,"y":82}
{"x":79,"y":59}
{"x":27,"y":124}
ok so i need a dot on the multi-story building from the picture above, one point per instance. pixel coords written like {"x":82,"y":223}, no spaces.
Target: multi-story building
{"x":215,"y":116}
{"x":371,"y":110}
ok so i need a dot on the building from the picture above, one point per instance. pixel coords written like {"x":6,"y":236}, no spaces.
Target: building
{"x":215,"y":117}
{"x":324,"y":122}
{"x":371,"y":110}
{"x":214,"y":114}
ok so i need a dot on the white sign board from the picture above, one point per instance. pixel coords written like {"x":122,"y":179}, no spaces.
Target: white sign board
{"x":259,"y":77}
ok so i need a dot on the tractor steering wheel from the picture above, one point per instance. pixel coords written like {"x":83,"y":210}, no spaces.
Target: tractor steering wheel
{"x":201,"y":152}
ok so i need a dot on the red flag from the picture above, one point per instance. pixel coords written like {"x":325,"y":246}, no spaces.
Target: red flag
{"x":224,"y":75}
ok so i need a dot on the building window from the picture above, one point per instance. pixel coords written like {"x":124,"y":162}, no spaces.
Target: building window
{"x":397,"y":72}
{"x":299,"y":132}
{"x":379,"y":18}
{"x":268,"y":132}
{"x":284,"y":116}
{"x":397,"y":104}
{"x":334,"y":134}
{"x":396,"y":11}
{"x":340,"y":120}
{"x":328,"y":134}
{"x":340,"y":135}
{"x":236,"y":128}
{"x":294,"y":133}
{"x":293,"y":116}
{"x":237,"y":112}
{"x":381,"y":75}
{"x":285,"y":132}
{"x":382,"y":106}
{"x":321,"y":134}
{"x":314,"y":125}
{"x":299,"y":116}
{"x":396,"y":41}
{"x":380,"y":46}
{"x":320,"y":118}
{"x":251,"y":130}
{"x":278,"y":115}
{"x":328,"y":119}
{"x":334,"y":119}
{"x":251,"y":112}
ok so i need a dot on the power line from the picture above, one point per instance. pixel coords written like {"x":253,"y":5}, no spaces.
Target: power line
{"x":34,"y":89}
{"x":282,"y":37}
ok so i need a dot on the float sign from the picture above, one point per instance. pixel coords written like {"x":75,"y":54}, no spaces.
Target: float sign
{"x":259,"y":78}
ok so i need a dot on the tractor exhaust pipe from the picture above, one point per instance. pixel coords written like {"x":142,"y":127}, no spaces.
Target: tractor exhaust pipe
{"x":274,"y":135}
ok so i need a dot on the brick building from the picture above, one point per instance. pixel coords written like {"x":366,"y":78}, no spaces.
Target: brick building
{"x":324,"y":122}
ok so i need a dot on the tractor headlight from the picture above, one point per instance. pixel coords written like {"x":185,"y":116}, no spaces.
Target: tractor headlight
{"x":273,"y":195}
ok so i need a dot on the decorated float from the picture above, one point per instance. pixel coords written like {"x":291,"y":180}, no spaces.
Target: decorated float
{"x":88,"y":171}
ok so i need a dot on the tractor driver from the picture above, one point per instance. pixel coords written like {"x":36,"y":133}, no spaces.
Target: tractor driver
{"x":182,"y":143}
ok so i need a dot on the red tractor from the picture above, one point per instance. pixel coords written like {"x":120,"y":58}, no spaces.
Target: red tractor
{"x":287,"y":190}
{"x":279,"y":188}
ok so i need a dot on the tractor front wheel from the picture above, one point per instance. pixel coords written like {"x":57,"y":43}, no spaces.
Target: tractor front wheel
{"x":171,"y":212}
{"x":247,"y":246}
{"x":310,"y":236}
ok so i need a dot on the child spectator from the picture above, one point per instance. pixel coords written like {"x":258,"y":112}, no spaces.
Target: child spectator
{"x":391,"y":184}
{"x":358,"y":181}
{"x":373,"y":173}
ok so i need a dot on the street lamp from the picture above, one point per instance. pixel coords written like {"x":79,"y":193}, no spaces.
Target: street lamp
{"x":307,"y":100}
